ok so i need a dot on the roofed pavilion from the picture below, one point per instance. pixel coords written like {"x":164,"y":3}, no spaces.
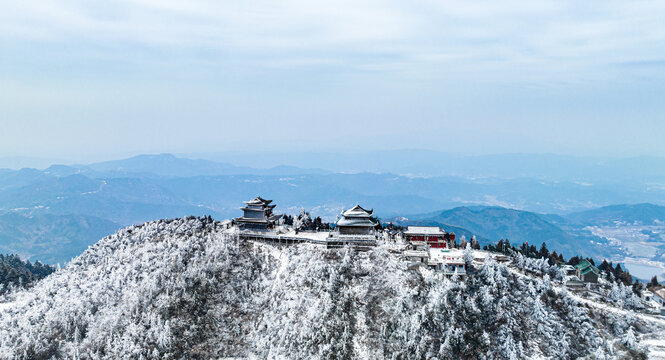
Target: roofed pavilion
{"x":257,"y":215}
{"x":356,"y":221}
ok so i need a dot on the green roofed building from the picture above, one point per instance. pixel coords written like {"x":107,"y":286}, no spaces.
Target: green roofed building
{"x":587,"y":272}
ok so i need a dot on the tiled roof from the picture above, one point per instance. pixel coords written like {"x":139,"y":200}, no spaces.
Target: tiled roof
{"x":357,"y":211}
{"x":258,"y":201}
{"x":585,"y":267}
{"x":355,"y":222}
{"x":429,"y":230}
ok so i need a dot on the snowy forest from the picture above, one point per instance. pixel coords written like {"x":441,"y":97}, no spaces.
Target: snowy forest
{"x":189,"y":288}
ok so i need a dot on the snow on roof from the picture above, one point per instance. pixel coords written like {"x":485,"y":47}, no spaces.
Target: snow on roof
{"x":660,"y":293}
{"x":364,"y":222}
{"x":357,"y":211}
{"x":312,"y":235}
{"x":438,"y":255}
{"x":429,"y":230}
{"x":415,"y":253}
{"x":258,"y":201}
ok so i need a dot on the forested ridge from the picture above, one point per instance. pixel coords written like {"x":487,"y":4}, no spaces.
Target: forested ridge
{"x":15,"y":272}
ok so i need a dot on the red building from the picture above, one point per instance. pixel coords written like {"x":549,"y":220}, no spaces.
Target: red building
{"x":433,"y":236}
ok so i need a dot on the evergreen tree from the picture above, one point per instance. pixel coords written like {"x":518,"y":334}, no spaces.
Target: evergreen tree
{"x":574,"y":261}
{"x":544,"y":253}
{"x":653,"y":283}
{"x":474,"y":243}
{"x":19,"y":273}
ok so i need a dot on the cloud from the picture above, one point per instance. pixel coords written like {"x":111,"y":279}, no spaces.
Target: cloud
{"x":542,"y":38}
{"x":553,"y":76}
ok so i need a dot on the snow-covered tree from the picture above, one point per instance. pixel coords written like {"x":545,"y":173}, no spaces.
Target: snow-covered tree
{"x":185,"y":288}
{"x":302,"y":220}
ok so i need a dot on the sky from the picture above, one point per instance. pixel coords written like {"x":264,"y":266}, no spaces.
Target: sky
{"x":95,"y":80}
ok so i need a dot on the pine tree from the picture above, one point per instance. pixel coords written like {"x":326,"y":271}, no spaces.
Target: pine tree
{"x":544,"y":253}
{"x":653,"y":283}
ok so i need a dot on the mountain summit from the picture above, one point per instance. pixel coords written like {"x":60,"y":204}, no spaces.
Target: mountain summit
{"x":190,"y":288}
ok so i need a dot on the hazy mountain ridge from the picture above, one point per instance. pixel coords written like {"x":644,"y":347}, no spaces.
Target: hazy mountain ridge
{"x":185,"y":287}
{"x":518,"y":187}
{"x":431,"y":163}
{"x":123,"y":192}
{"x":645,"y":214}
{"x":168,"y":165}
{"x":495,"y":223}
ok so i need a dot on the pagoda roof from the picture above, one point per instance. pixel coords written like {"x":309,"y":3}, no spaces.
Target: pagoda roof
{"x":357,"y":211}
{"x":354,"y":221}
{"x":258,"y":201}
{"x":259,"y":209}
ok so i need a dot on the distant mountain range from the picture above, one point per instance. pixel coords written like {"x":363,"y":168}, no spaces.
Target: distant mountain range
{"x":167,"y":165}
{"x":549,"y":167}
{"x":131,"y":191}
{"x":566,"y":234}
{"x":490,"y":224}
{"x":637,"y":213}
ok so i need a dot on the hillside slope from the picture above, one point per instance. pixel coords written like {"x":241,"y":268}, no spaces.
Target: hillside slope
{"x":186,"y":288}
{"x":49,"y":238}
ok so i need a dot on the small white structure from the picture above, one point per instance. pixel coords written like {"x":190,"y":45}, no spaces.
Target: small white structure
{"x":573,"y":282}
{"x":659,"y":297}
{"x":479,"y":257}
{"x":647,"y":296}
{"x":655,"y":299}
{"x":569,"y":269}
{"x":417,"y":256}
{"x":447,"y":261}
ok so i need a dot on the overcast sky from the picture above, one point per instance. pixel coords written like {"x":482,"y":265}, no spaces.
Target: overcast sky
{"x":88,"y":80}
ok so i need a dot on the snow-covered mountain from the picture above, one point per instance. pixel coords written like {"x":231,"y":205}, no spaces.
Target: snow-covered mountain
{"x":187,"y":288}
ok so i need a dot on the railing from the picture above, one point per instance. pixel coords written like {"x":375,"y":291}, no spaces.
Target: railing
{"x":457,"y":271}
{"x":334,"y":241}
{"x":354,"y":237}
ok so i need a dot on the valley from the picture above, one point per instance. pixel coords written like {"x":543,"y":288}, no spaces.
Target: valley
{"x":643,"y":245}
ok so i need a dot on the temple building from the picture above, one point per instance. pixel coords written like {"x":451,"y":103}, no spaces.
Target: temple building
{"x":257,"y":215}
{"x":356,"y":221}
{"x":433,"y":236}
{"x":587,"y":272}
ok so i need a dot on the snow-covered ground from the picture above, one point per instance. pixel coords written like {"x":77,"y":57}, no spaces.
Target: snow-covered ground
{"x":656,"y":345}
{"x":169,"y":289}
{"x":654,"y":342}
{"x":313,"y":235}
